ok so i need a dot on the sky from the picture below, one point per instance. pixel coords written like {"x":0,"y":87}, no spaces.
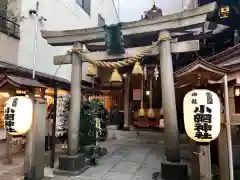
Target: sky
{"x":131,"y":10}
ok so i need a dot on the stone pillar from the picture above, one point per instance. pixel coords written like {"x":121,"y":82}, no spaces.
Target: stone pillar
{"x":73,"y":163}
{"x":127,"y":110}
{"x":172,"y":149}
{"x":74,"y":118}
{"x":172,"y":168}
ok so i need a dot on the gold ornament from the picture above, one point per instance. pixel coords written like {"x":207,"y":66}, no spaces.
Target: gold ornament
{"x":137,"y":69}
{"x":115,"y":77}
{"x":141,"y":112}
{"x":92,"y":70}
{"x":151,"y":113}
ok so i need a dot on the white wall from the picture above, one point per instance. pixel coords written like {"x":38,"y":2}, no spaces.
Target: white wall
{"x":60,"y":15}
{"x":8,"y":49}
{"x":190,"y":4}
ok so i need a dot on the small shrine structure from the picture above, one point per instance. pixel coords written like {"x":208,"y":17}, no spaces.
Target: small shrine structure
{"x":155,"y":37}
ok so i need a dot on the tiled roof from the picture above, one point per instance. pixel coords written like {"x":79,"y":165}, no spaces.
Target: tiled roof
{"x":227,"y":55}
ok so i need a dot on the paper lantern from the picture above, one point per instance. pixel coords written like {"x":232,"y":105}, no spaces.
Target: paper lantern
{"x":202,"y":115}
{"x":18,"y":115}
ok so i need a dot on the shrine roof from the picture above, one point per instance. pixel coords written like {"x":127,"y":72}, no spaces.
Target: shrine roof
{"x":201,"y":67}
{"x":229,"y":56}
{"x":20,"y":82}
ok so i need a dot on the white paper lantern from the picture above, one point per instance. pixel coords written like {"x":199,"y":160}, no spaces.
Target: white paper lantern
{"x":202,"y":114}
{"x":18,"y":115}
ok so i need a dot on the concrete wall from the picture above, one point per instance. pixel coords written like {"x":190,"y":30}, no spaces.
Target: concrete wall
{"x":190,"y":4}
{"x":14,"y":10}
{"x":8,"y":49}
{"x":60,"y":14}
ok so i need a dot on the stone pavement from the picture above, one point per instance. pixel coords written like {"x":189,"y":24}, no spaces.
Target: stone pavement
{"x":126,"y":160}
{"x":13,"y":171}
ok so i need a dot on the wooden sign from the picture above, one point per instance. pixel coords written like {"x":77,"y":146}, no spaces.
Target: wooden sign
{"x":202,"y":114}
{"x":137,"y":94}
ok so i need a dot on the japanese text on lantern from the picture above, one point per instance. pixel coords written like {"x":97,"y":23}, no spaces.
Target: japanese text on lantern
{"x":202,"y":117}
{"x":9,"y":115}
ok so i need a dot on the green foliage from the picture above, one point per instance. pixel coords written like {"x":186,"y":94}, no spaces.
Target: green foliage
{"x":91,"y":110}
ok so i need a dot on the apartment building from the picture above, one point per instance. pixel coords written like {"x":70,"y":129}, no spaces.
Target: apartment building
{"x":57,"y":15}
{"x":191,"y":4}
{"x":21,"y":41}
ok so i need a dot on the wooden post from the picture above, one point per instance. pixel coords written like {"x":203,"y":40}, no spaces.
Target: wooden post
{"x":228,"y":128}
{"x":54,"y":127}
{"x":8,"y":156}
{"x":127,"y":110}
{"x":204,"y":161}
{"x":195,"y":169}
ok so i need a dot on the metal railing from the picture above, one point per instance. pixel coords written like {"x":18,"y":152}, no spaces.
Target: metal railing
{"x":9,"y":27}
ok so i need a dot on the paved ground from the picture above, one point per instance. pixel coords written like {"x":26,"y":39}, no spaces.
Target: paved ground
{"x":127,"y":159}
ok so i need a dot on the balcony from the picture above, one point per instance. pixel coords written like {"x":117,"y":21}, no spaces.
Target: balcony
{"x":9,"y":27}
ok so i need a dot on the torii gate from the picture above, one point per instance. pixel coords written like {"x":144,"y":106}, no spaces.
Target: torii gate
{"x":167,"y":27}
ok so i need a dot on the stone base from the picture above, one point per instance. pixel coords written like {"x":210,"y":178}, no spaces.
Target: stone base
{"x":174,"y":171}
{"x":126,"y":128}
{"x":71,"y":165}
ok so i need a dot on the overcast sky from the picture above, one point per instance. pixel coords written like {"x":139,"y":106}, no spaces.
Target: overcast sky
{"x":131,"y":10}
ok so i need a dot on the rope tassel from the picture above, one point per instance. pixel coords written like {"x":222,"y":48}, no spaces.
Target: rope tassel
{"x":137,"y":69}
{"x":92,"y":70}
{"x":115,"y":77}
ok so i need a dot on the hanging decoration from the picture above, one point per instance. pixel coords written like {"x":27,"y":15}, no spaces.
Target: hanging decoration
{"x":114,"y":39}
{"x":137,"y":69}
{"x":141,"y":112}
{"x":121,"y":63}
{"x":145,"y":72}
{"x":92,"y":70}
{"x":115,"y":77}
{"x":151,"y":113}
{"x":156,"y":72}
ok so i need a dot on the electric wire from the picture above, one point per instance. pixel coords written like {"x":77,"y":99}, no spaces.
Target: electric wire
{"x":115,"y":8}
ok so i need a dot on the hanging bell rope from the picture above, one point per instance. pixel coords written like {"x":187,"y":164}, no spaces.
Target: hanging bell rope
{"x":124,"y":62}
{"x":151,"y":113}
{"x":141,"y":112}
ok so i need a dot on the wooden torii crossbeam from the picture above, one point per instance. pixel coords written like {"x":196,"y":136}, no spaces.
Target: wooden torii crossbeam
{"x":164,"y":26}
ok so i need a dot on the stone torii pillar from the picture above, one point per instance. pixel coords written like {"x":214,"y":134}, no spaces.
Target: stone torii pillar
{"x":172,"y":168}
{"x":73,"y":163}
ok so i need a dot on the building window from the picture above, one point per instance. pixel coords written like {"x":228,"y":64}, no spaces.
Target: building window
{"x":101,"y":20}
{"x":85,"y":4}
